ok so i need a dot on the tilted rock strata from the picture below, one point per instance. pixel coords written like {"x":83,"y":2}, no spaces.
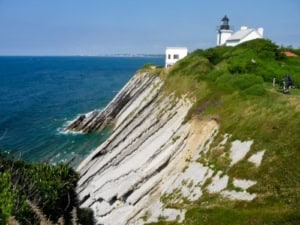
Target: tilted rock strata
{"x":150,"y":155}
{"x":98,"y":120}
{"x":147,"y":148}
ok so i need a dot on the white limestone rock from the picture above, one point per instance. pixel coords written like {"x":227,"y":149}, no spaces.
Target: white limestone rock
{"x":238,"y":195}
{"x":190,"y":181}
{"x":239,"y":150}
{"x":157,"y":211}
{"x":257,"y":158}
{"x":218,"y":183}
{"x":243,"y":184}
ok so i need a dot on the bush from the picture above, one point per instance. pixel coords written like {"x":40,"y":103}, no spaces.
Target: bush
{"x":193,"y":65}
{"x":216,"y":55}
{"x":263,"y":48}
{"x":6,"y":197}
{"x":148,"y":66}
{"x":51,"y":188}
{"x":214,"y":75}
{"x":225,"y":81}
{"x":255,"y":90}
{"x":86,"y":216}
{"x":239,"y":82}
{"x":245,"y":81}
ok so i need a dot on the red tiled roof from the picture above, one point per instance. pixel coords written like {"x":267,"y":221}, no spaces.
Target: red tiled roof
{"x":289,"y":54}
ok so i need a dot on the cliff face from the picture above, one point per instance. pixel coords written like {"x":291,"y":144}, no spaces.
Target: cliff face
{"x":148,"y":149}
{"x":151,"y":162}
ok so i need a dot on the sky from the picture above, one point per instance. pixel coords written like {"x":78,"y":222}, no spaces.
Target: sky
{"x":99,"y":27}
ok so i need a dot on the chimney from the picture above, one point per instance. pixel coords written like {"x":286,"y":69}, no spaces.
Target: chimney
{"x":261,"y":31}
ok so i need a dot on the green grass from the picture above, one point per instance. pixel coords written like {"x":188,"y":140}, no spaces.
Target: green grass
{"x":238,"y":215}
{"x":164,"y":223}
{"x":217,"y":81}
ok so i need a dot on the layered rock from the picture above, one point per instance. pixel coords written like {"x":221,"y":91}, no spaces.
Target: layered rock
{"x":98,"y":120}
{"x":146,"y":151}
{"x":151,"y":159}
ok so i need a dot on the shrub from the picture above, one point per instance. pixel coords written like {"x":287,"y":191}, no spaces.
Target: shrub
{"x":6,"y":197}
{"x":216,"y":55}
{"x":194,"y":64}
{"x":263,"y":48}
{"x":225,"y":81}
{"x":51,"y":188}
{"x":239,"y":82}
{"x":245,"y":81}
{"x":214,"y":75}
{"x":256,"y":90}
{"x":148,"y":66}
{"x":86,"y":216}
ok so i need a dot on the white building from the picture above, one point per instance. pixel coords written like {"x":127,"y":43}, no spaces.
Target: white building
{"x":244,"y":34}
{"x":173,"y":54}
{"x":226,"y":36}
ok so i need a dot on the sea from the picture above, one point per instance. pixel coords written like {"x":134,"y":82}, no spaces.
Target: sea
{"x":39,"y":96}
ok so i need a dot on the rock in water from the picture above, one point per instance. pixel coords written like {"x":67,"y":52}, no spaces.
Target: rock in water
{"x":96,"y":121}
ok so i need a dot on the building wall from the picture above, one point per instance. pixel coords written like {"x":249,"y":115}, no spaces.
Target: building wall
{"x":253,"y":35}
{"x":261,"y":31}
{"x":174,"y":54}
{"x":232,"y":43}
{"x":222,"y":36}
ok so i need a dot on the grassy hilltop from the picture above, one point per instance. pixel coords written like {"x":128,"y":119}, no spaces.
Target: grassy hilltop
{"x":233,"y":85}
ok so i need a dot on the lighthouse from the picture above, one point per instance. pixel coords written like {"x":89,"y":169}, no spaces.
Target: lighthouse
{"x":224,"y":31}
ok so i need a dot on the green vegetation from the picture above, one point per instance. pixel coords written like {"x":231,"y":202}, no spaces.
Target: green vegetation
{"x":233,"y":85}
{"x":154,"y":69}
{"x":164,"y":223}
{"x":50,"y":188}
{"x":6,"y":197}
{"x":239,"y":67}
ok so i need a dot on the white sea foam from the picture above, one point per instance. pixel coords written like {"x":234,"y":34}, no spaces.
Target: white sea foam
{"x":62,"y":131}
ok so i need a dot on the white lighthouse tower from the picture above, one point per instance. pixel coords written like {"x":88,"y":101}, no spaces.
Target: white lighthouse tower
{"x":224,"y":31}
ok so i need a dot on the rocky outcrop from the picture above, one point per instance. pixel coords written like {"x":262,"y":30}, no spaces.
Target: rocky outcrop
{"x":148,"y":146}
{"x":151,"y":159}
{"x":98,"y":120}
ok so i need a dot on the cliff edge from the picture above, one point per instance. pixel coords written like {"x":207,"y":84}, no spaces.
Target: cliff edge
{"x":149,"y":147}
{"x":208,"y":141}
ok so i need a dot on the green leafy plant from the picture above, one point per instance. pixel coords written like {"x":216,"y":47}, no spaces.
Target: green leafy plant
{"x":50,"y":188}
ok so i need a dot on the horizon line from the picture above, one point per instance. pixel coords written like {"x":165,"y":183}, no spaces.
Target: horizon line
{"x":78,"y":55}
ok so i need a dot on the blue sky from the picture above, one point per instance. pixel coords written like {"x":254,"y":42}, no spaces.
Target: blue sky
{"x":95,"y":27}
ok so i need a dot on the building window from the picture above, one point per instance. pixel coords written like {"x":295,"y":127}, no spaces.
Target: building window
{"x":176,"y":56}
{"x":169,"y":56}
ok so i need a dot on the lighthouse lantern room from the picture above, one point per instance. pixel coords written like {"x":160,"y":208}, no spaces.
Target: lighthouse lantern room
{"x":224,"y":31}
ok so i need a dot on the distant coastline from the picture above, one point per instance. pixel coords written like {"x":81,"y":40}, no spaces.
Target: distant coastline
{"x":121,"y":55}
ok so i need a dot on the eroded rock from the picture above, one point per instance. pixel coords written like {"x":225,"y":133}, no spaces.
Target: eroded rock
{"x":144,"y":155}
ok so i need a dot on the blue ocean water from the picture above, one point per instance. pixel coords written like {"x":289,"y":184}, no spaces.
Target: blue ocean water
{"x":39,"y":95}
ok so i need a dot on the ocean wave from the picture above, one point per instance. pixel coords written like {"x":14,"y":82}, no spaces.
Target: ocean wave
{"x":65,"y":157}
{"x":63,"y":131}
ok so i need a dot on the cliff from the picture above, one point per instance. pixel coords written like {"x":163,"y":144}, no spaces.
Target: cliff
{"x":201,"y":143}
{"x":148,"y":148}
{"x":150,"y":154}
